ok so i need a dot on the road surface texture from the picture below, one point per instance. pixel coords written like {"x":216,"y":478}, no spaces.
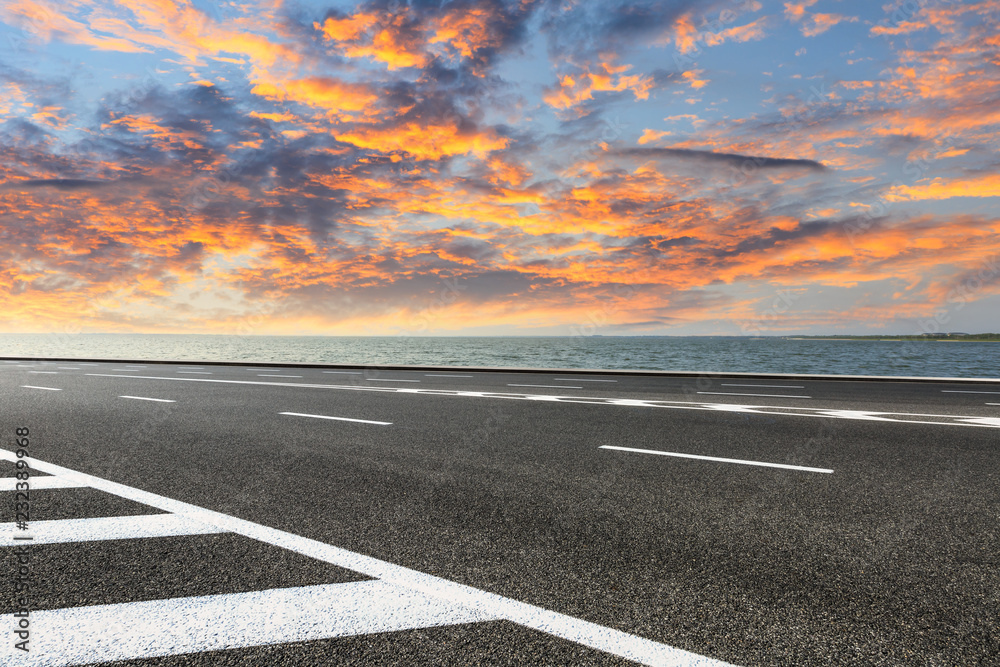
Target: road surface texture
{"x":238,"y":514}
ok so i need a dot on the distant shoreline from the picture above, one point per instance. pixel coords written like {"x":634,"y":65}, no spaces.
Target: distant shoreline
{"x":971,"y":338}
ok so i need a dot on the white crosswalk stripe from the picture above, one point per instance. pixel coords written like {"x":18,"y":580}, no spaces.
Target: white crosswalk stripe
{"x":398,"y":599}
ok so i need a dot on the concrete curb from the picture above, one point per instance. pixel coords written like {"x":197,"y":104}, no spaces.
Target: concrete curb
{"x":506,"y":369}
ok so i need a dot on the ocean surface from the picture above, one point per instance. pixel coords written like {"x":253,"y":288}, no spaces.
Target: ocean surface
{"x":695,"y":353}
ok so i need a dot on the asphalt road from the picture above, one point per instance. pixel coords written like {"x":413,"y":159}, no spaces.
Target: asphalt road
{"x":325,"y":516}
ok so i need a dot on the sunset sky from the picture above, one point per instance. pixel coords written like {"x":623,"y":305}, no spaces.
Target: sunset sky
{"x":486,"y":167}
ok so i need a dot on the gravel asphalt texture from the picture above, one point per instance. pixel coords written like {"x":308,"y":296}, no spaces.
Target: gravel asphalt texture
{"x":891,"y":559}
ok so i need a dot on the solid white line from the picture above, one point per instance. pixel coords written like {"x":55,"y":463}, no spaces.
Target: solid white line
{"x":258,"y":369}
{"x":190,"y":367}
{"x":723,"y":393}
{"x":609,"y":640}
{"x":260,"y":375}
{"x":128,"y":370}
{"x":147,"y":629}
{"x":961,"y":391}
{"x":63,"y":531}
{"x":766,"y":386}
{"x":197,"y":372}
{"x":344,"y":372}
{"x":715,"y":458}
{"x":341,"y":419}
{"x":438,"y":375}
{"x":143,"y":398}
{"x":389,"y":380}
{"x":778,"y":410}
{"x":993,"y":404}
{"x":68,"y":368}
{"x":46,"y":372}
{"x":52,"y":482}
{"x":581,"y":380}
{"x":29,"y":386}
{"x":545,"y":386}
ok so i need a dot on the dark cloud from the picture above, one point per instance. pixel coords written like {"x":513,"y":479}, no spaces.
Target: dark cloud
{"x":62,"y":183}
{"x":735,"y":160}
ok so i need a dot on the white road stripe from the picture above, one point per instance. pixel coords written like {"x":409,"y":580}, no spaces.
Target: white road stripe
{"x":716,"y":458}
{"x":51,"y":482}
{"x":960,"y":391}
{"x":197,"y":372}
{"x":129,"y":370}
{"x":764,"y":386}
{"x":144,"y":398}
{"x":68,"y":368}
{"x":148,"y":629}
{"x":389,"y":380}
{"x":724,"y":393}
{"x":190,"y":367}
{"x":609,"y":640}
{"x":135,"y":366}
{"x":779,"y":410}
{"x":341,"y":419}
{"x":46,"y":372}
{"x":438,"y":375}
{"x":30,"y":386}
{"x":993,"y":404}
{"x":63,"y":531}
{"x":261,"y":375}
{"x":86,"y":364}
{"x":581,"y":380}
{"x":545,"y":386}
{"x":343,"y":372}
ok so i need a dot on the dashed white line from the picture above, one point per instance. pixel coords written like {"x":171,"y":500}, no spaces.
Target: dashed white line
{"x":144,"y":398}
{"x":31,"y":386}
{"x":581,"y":380}
{"x":190,"y":367}
{"x":46,"y":372}
{"x":343,"y":372}
{"x":717,"y":459}
{"x":389,"y":380}
{"x":438,"y":375}
{"x":778,"y":410}
{"x":993,"y":404}
{"x":724,"y":393}
{"x":545,"y":386}
{"x":68,"y":368}
{"x":62,"y":531}
{"x":962,"y":391}
{"x":258,"y":369}
{"x":764,"y":386}
{"x":135,"y":366}
{"x":340,"y":419}
{"x":196,"y":372}
{"x":261,"y":375}
{"x":127,"y":370}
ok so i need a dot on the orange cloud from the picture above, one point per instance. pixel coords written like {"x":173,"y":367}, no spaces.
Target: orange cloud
{"x":940,"y":188}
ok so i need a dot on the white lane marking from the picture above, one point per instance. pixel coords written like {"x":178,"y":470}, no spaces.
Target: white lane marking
{"x":986,"y":421}
{"x":962,"y":391}
{"x":261,"y":375}
{"x":341,"y":419}
{"x":764,"y":386}
{"x":196,"y":372}
{"x":780,"y":410}
{"x":259,"y":369}
{"x":53,"y":482}
{"x":438,"y":375}
{"x":62,"y":531}
{"x":135,"y":365}
{"x":130,"y":370}
{"x":147,"y":629}
{"x":545,"y":386}
{"x":68,"y":368}
{"x":25,"y":365}
{"x":993,"y":404}
{"x":716,"y":458}
{"x":724,"y":393}
{"x":343,"y":372}
{"x":609,"y":640}
{"x":144,"y":398}
{"x":46,"y":372}
{"x":30,"y":386}
{"x":190,"y":367}
{"x":389,"y":380}
{"x":581,"y":380}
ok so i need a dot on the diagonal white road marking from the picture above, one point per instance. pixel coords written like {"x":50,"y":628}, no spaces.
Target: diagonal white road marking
{"x":61,"y":531}
{"x":488,"y":605}
{"x":135,"y":630}
{"x":716,"y":458}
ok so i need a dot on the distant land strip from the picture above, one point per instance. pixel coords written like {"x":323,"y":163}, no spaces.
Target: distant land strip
{"x":993,"y":337}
